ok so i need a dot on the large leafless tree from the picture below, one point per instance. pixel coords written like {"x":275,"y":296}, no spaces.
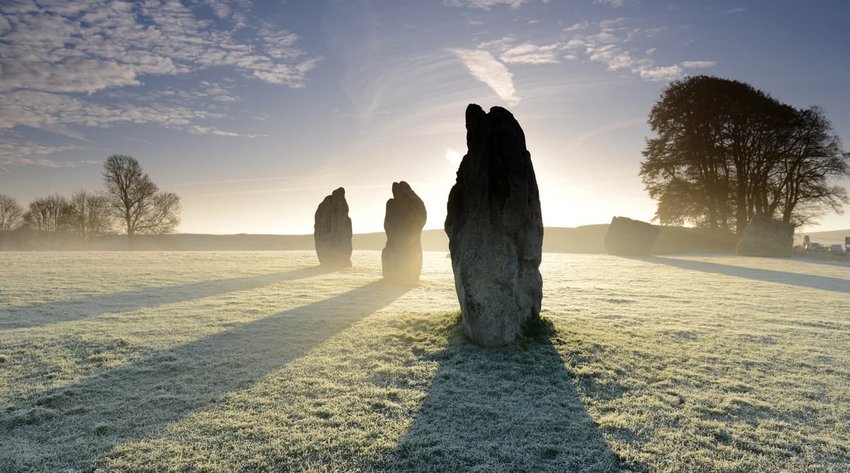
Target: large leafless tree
{"x":136,"y":200}
{"x":48,"y":214}
{"x":89,"y":214}
{"x":10,"y":213}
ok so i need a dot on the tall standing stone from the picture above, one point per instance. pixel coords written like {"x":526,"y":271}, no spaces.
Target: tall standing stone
{"x":332,"y":231}
{"x":495,"y":229}
{"x":765,"y":236}
{"x":405,"y":217}
{"x":627,"y":237}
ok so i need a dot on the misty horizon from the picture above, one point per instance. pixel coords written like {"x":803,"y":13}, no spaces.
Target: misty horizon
{"x":317,"y":96}
{"x":424,"y":236}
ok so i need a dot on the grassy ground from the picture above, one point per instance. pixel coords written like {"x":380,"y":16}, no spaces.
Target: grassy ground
{"x":261,"y":362}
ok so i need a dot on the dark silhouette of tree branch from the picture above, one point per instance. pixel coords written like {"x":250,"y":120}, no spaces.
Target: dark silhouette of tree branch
{"x":48,"y":214}
{"x":10,"y":213}
{"x":135,"y":199}
{"x":725,"y":151}
{"x":89,"y":214}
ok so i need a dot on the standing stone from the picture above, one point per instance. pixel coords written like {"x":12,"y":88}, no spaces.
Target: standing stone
{"x":627,"y":237}
{"x":332,"y":231}
{"x":495,"y":229}
{"x":765,"y":236}
{"x":402,"y":257}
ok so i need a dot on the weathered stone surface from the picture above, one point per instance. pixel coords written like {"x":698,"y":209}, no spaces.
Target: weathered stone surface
{"x":627,"y":237}
{"x":495,"y":229}
{"x":765,"y":236}
{"x":405,"y":217}
{"x":332,"y":231}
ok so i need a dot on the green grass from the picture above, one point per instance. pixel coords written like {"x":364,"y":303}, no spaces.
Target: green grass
{"x":249,"y":361}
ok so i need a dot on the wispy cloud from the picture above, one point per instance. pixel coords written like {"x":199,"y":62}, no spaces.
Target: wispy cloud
{"x":79,"y":64}
{"x":528,"y":53}
{"x":611,"y":3}
{"x":486,"y":68}
{"x":34,"y":154}
{"x":233,"y":10}
{"x":45,"y":110}
{"x":674,"y":71}
{"x":577,"y":26}
{"x":209,"y":130}
{"x":484,"y":4}
{"x":698,"y":64}
{"x":733,"y":11}
{"x":612,"y":42}
{"x":90,"y":46}
{"x":617,"y":3}
{"x":500,"y":44}
{"x":660,"y":73}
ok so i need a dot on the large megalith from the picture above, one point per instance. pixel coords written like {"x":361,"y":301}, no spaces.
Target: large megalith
{"x":495,"y":229}
{"x":402,"y":257}
{"x":765,"y":236}
{"x":332,"y":231}
{"x":627,"y":237}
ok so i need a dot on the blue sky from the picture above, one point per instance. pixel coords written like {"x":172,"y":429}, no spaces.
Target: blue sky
{"x":253,"y":111}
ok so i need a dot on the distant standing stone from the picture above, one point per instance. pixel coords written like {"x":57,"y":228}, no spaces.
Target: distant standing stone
{"x":765,"y":236}
{"x":332,"y":231}
{"x":627,"y":237}
{"x":495,"y":229}
{"x":405,"y":217}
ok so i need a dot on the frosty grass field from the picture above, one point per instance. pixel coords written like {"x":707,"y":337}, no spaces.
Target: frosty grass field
{"x":260,"y":361}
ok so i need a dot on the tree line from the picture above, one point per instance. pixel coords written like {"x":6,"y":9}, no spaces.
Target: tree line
{"x":726,"y":151}
{"x":130,"y":203}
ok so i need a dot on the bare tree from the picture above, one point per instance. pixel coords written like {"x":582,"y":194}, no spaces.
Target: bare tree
{"x":135,"y":199}
{"x":10,"y":213}
{"x":89,"y":214}
{"x":48,"y":214}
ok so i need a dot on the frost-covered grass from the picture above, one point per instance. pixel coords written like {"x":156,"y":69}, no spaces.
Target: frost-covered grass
{"x":261,"y":362}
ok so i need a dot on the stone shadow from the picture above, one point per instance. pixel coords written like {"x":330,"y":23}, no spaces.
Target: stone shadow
{"x":825,"y":283}
{"x":70,"y":426}
{"x":76,"y":309}
{"x":509,"y":409}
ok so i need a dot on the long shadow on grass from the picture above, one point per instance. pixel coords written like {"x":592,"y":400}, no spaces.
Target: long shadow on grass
{"x":69,"y":428}
{"x":510,"y":409}
{"x":837,"y":263}
{"x":85,"y":307}
{"x":825,"y":283}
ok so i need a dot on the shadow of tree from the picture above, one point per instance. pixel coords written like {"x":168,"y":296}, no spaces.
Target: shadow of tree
{"x":77,"y":309}
{"x":69,"y":427}
{"x":813,"y":281}
{"x":511,"y":409}
{"x":839,"y":263}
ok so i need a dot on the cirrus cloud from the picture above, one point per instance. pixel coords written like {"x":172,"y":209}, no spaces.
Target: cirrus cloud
{"x":90,"y":46}
{"x":486,"y":68}
{"x":484,"y":4}
{"x":529,"y":53}
{"x":66,"y":65}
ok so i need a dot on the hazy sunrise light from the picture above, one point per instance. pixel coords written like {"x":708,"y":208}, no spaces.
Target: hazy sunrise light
{"x":424,"y":236}
{"x":253,"y":111}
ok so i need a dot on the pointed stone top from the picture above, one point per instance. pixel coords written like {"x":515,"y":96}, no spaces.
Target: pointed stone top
{"x":401,"y":186}
{"x":473,"y":110}
{"x":340,"y":192}
{"x":479,"y":123}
